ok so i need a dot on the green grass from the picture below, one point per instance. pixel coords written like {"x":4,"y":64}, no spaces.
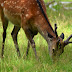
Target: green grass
{"x":11,"y":63}
{"x":59,"y":0}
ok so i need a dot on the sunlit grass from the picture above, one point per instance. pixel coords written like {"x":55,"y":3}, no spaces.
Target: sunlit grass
{"x":11,"y":63}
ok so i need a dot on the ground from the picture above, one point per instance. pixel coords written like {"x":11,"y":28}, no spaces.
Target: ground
{"x":11,"y":63}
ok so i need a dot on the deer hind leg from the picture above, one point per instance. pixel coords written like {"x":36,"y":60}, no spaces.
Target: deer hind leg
{"x":28,"y":48}
{"x":5,"y":25}
{"x":30,"y":38}
{"x":14,"y":36}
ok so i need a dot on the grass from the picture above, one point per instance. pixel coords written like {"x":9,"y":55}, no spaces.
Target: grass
{"x":59,"y":0}
{"x":11,"y":63}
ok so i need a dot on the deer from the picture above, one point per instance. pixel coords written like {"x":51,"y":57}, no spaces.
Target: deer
{"x":31,"y":16}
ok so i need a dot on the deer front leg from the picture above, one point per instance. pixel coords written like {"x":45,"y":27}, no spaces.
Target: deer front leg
{"x":14,"y":36}
{"x":30,"y":38}
{"x":28,"y":48}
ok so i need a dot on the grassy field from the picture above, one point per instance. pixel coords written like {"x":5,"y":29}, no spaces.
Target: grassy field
{"x":11,"y":63}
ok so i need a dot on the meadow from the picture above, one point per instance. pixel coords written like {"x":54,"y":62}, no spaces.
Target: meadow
{"x":11,"y":62}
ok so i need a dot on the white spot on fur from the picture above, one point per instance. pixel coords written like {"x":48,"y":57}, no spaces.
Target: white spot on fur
{"x":2,"y":4}
{"x":37,"y":12}
{"x":27,"y":15}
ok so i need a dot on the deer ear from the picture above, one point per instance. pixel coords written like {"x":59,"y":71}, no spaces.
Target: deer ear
{"x":62,"y":35}
{"x":49,"y":35}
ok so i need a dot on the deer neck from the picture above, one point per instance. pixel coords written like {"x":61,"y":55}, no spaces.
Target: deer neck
{"x":44,"y":27}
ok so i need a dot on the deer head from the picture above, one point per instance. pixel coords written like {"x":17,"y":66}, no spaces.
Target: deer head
{"x":56,"y":45}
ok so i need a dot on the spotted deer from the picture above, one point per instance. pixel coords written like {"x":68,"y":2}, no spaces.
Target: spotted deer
{"x":31,"y":16}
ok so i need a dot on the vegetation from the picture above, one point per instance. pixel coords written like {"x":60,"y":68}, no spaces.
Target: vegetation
{"x":11,"y":63}
{"x":58,"y":0}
